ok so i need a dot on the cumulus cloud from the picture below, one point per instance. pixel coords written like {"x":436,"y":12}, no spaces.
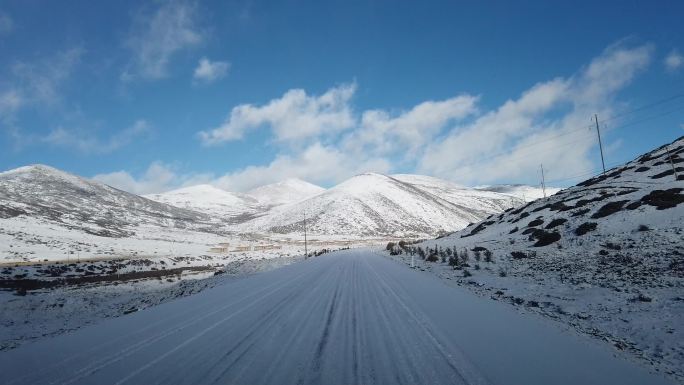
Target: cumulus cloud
{"x":322,"y":139}
{"x":6,"y":24}
{"x":383,"y":132}
{"x":157,"y":178}
{"x":208,"y":71}
{"x":158,"y":35}
{"x":87,"y":142}
{"x":674,"y":61}
{"x":317,"y":164}
{"x":530,"y":130}
{"x":292,"y":117}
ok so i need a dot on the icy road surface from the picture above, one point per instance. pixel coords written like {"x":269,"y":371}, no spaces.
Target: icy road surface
{"x":345,"y":318}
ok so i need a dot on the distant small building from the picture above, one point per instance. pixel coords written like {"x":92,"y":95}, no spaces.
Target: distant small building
{"x":242,"y":248}
{"x":224,"y":244}
{"x":267,"y":247}
{"x":218,"y":249}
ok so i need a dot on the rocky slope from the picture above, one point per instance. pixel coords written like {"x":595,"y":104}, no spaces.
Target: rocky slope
{"x":604,"y":256}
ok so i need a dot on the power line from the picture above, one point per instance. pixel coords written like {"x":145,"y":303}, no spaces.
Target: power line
{"x":632,"y":123}
{"x":645,"y":107}
{"x":629,"y":112}
{"x":534,"y":144}
{"x":587,"y":174}
{"x":524,"y":153}
{"x":576,"y":176}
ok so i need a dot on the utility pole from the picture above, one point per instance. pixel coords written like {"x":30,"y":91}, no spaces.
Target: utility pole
{"x":598,"y":132}
{"x":306,"y":250}
{"x":543,"y":183}
{"x":669,"y":156}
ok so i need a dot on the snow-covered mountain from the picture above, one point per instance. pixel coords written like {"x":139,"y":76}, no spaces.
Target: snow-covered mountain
{"x":50,"y":195}
{"x":229,"y":206}
{"x":460,"y":195}
{"x":605,"y":256}
{"x":288,"y":191}
{"x":524,"y":192}
{"x":371,"y":205}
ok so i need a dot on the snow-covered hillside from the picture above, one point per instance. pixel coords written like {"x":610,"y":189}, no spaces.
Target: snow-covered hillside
{"x":47,"y":214}
{"x":605,"y":256}
{"x":50,"y":195}
{"x":524,"y":192}
{"x":229,"y":206}
{"x":288,"y":191}
{"x":460,"y":195}
{"x":379,"y":205}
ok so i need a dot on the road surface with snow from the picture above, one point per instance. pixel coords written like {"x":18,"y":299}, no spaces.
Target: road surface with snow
{"x":350,"y":317}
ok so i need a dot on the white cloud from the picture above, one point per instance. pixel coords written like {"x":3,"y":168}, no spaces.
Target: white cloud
{"x":317,"y":163}
{"x":85,"y":141}
{"x":409,"y":130}
{"x":38,"y":81}
{"x":674,"y":60}
{"x":6,"y":24}
{"x":10,"y":102}
{"x":156,"y":37}
{"x":610,"y":72}
{"x":157,"y":178}
{"x":547,"y":124}
{"x":320,"y":138}
{"x":294,"y":116}
{"x":34,"y":83}
{"x":208,"y":71}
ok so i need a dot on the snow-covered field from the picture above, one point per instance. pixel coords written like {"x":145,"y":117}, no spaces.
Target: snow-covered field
{"x":605,"y":257}
{"x":59,"y":309}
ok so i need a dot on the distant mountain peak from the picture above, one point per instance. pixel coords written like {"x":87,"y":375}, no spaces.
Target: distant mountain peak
{"x":34,"y":168}
{"x":284,"y":192}
{"x":210,"y":200}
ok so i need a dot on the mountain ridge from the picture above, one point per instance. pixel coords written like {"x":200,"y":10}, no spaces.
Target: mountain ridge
{"x":372,"y":204}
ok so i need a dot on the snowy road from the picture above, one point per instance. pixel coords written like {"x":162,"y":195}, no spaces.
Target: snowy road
{"x":344,"y":318}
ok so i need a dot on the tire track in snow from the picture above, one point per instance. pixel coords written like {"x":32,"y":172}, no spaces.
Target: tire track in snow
{"x":272,"y":318}
{"x":92,"y":351}
{"x":198,"y":335}
{"x":128,"y":351}
{"x":459,"y":364}
{"x":313,"y":300}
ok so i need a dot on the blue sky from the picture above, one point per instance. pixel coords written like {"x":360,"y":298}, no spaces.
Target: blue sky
{"x":153,"y":96}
